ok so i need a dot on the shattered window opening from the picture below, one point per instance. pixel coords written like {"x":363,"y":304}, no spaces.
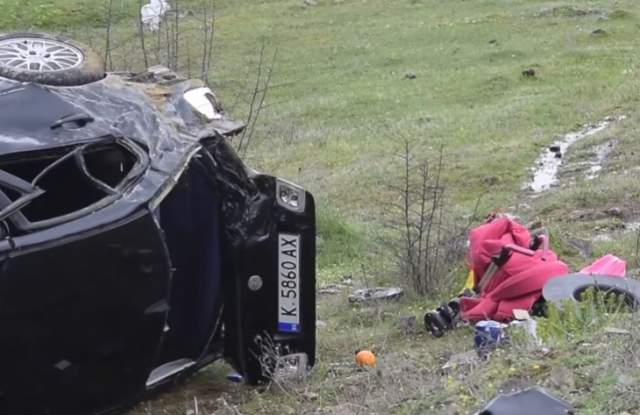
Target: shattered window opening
{"x":45,"y":188}
{"x":66,"y":190}
{"x":110,"y":164}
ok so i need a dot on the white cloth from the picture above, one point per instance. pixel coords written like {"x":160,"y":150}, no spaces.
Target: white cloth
{"x":152,"y":13}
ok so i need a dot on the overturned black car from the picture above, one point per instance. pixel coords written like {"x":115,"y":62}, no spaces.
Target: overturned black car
{"x":136,"y":247}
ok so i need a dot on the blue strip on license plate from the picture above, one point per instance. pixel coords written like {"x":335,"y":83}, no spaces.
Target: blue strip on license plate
{"x":288,"y":327}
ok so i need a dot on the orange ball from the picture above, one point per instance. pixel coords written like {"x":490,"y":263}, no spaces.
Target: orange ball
{"x":365,"y":358}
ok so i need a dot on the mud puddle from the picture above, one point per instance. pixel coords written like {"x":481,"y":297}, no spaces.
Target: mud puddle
{"x":545,"y":174}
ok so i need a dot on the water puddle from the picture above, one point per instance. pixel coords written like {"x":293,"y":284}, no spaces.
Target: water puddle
{"x":545,"y":174}
{"x":632,"y":226}
{"x":602,"y":152}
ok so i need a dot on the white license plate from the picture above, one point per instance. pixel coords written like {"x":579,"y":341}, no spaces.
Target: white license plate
{"x":288,"y":283}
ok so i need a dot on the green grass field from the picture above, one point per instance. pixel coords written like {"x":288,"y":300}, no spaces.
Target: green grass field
{"x":338,"y":111}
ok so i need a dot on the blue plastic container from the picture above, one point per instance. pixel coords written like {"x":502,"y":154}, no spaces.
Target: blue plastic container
{"x":488,"y":334}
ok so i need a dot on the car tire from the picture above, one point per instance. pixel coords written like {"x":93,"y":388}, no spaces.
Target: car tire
{"x":48,"y":60}
{"x":570,"y":288}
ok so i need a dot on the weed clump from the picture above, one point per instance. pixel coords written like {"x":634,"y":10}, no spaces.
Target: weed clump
{"x":578,"y":322}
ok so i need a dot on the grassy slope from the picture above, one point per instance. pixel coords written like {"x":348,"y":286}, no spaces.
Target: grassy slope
{"x":60,"y":14}
{"x":343,"y":65}
{"x":343,"y":104}
{"x":338,"y":110}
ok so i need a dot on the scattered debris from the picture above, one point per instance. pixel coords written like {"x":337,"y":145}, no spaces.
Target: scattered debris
{"x":607,"y":265}
{"x":488,"y":335}
{"x":365,"y":358}
{"x":493,"y":41}
{"x":520,"y":314}
{"x":529,"y":73}
{"x":410,"y":75}
{"x":292,"y":368}
{"x":532,"y":401}
{"x":331,"y":289}
{"x":599,"y":32}
{"x":366,"y":295}
{"x":528,"y":326}
{"x":320,"y":324}
{"x":548,"y":163}
{"x":310,"y":3}
{"x":442,"y":318}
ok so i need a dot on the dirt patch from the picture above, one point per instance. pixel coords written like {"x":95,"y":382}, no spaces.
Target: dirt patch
{"x":571,"y":11}
{"x":620,"y":14}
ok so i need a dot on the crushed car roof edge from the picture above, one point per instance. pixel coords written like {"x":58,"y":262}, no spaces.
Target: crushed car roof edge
{"x":164,"y":125}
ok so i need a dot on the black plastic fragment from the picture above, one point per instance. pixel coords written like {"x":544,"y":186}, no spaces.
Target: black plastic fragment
{"x":366,"y":295}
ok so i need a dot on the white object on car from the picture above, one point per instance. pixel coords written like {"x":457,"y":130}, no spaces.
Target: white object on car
{"x":151,"y":14}
{"x":203,"y":101}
